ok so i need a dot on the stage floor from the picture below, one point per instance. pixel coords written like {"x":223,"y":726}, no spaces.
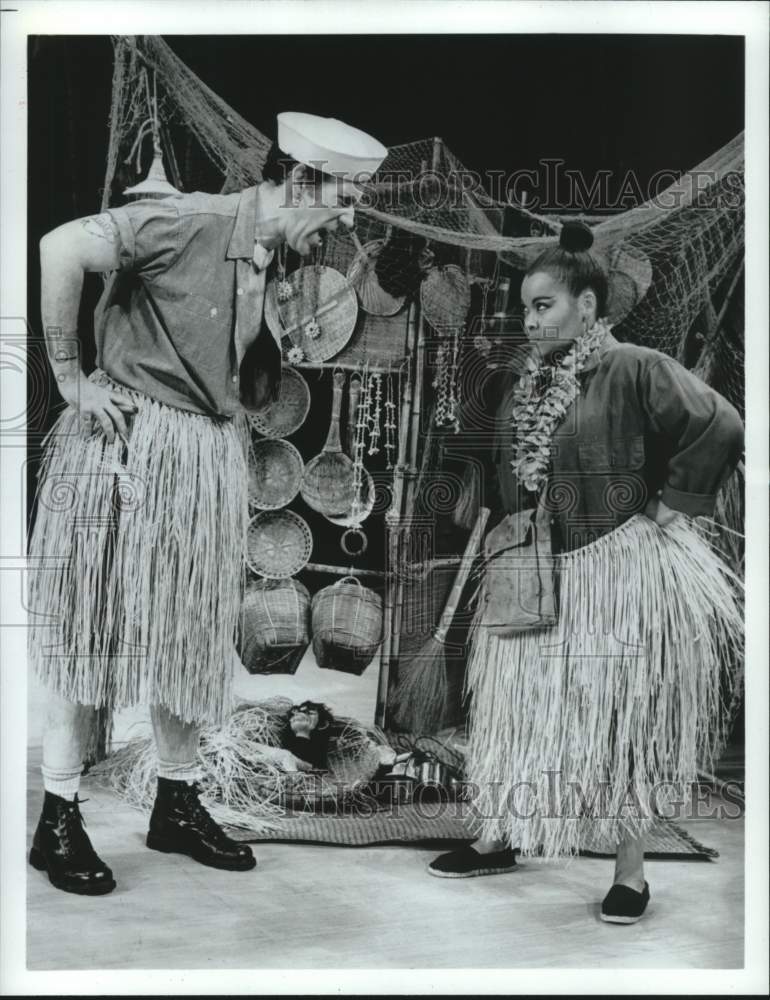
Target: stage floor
{"x":308,"y":906}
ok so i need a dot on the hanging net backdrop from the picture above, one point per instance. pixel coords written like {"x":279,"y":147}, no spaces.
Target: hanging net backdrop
{"x":688,"y":240}
{"x":691,"y":235}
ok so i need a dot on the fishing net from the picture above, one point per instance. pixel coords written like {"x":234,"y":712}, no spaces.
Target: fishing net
{"x":430,"y":211}
{"x":424,"y":199}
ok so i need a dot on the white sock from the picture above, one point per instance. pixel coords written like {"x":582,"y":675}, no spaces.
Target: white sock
{"x":189,"y":771}
{"x":62,"y":781}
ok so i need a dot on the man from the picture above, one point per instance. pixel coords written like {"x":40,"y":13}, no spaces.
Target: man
{"x":137,"y":551}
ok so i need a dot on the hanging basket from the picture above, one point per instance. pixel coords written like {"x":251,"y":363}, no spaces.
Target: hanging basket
{"x":278,"y":544}
{"x":275,"y":474}
{"x":275,"y":626}
{"x":319,"y":294}
{"x":289,"y":412}
{"x":445,"y":297}
{"x":363,"y":277}
{"x":347,"y":626}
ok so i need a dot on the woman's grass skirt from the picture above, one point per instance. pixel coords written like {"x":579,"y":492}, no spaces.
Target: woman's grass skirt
{"x":583,"y":730}
{"x":136,"y":560}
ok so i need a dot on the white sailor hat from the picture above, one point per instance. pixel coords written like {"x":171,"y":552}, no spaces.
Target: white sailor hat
{"x":329,"y":145}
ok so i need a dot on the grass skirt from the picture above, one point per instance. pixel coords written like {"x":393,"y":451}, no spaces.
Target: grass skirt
{"x":136,"y":560}
{"x":584,"y":729}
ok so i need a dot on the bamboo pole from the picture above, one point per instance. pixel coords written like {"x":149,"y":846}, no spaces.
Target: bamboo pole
{"x":392,"y":522}
{"x":343,"y":571}
{"x":411,"y":473}
{"x":350,"y":366}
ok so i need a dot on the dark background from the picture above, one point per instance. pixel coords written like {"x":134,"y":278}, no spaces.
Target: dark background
{"x":602,"y":102}
{"x":617,"y":103}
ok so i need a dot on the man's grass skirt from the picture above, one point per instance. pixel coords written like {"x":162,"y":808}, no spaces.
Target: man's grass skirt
{"x":584,"y":729}
{"x":136,"y":560}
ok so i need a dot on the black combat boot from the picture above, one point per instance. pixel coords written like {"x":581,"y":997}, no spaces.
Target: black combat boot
{"x":179,"y":824}
{"x":61,"y":848}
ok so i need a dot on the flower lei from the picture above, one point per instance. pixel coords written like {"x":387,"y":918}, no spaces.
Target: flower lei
{"x":536,"y":417}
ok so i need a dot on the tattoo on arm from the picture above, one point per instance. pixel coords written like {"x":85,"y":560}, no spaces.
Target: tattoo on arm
{"x":102,"y":226}
{"x":63,"y":353}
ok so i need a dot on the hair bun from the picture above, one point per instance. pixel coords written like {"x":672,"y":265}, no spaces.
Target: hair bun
{"x":575,"y":237}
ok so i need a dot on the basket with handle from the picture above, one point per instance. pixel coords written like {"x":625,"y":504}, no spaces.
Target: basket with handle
{"x":275,"y":626}
{"x":328,"y":482}
{"x":347,"y":626}
{"x":445,"y":297}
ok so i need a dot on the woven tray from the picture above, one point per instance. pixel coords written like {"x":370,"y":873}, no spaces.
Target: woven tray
{"x":275,"y":474}
{"x":278,"y":544}
{"x":289,"y":412}
{"x":321,"y":293}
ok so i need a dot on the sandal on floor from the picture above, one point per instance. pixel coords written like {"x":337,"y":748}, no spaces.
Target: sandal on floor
{"x":467,"y":863}
{"x":624,"y":905}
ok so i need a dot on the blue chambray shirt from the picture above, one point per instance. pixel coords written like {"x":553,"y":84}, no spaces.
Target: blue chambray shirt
{"x":642,"y":423}
{"x":175,"y":320}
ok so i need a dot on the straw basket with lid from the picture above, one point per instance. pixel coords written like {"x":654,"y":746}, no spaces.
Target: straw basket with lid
{"x":275,"y":626}
{"x":347,"y":626}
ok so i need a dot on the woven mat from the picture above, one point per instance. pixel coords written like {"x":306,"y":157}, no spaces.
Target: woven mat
{"x":410,"y":824}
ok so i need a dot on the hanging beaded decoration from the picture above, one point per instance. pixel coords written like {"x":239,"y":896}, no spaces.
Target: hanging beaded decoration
{"x":481,"y":341}
{"x":440,"y":383}
{"x":358,"y":456}
{"x":354,"y":541}
{"x":453,"y":388}
{"x":375,"y":421}
{"x":390,"y":423}
{"x":284,"y":290}
{"x":313,"y":328}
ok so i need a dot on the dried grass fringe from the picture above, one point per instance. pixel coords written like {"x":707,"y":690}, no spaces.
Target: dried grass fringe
{"x":624,"y":690}
{"x":241,"y":784}
{"x":136,"y":560}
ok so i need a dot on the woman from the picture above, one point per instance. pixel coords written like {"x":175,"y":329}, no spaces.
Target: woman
{"x":581,"y":728}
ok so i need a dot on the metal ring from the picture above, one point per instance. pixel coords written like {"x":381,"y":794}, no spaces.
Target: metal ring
{"x":345,"y":545}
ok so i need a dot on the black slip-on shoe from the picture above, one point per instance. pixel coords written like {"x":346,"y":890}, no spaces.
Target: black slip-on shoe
{"x":467,"y":863}
{"x":623,"y":905}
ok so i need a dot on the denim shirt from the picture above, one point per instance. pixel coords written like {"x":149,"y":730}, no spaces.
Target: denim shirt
{"x":641,"y":424}
{"x":175,"y":320}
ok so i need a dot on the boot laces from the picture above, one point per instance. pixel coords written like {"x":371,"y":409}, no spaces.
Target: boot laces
{"x":71,"y":832}
{"x":202,"y":817}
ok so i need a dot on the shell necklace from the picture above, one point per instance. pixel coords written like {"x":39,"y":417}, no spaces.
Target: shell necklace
{"x":537,"y":413}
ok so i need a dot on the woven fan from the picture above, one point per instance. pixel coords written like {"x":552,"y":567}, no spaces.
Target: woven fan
{"x":288,"y":413}
{"x":445,"y":297}
{"x":321,"y":314}
{"x":362,"y":276}
{"x":328,"y":484}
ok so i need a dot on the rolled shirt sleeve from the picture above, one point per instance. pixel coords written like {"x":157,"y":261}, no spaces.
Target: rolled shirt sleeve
{"x":705,"y":431}
{"x":150,"y":235}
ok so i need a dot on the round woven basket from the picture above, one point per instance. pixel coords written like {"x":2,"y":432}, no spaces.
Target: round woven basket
{"x":275,"y":474}
{"x":347,"y":626}
{"x":445,"y":297}
{"x":275,"y":626}
{"x":363,"y":277}
{"x":289,"y":412}
{"x":319,"y":293}
{"x":278,"y":544}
